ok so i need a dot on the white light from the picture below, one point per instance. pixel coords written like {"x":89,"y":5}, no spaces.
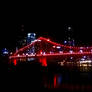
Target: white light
{"x":87,"y":47}
{"x":26,"y":53}
{"x":69,"y":28}
{"x":18,"y":55}
{"x":34,"y":34}
{"x":82,"y":59}
{"x":39,"y":40}
{"x":86,"y":61}
{"x":89,"y":61}
{"x":58,"y":47}
{"x":5,"y":52}
{"x":71,"y":57}
{"x":54,"y":46}
{"x":35,"y":40}
{"x":23,"y":54}
{"x":81,"y":51}
{"x":60,"y":51}
{"x":48,"y":40}
{"x":44,"y":53}
{"x":32,"y":53}
{"x":11,"y":53}
{"x":84,"y":56}
{"x":29,"y":34}
{"x":65,"y":41}
{"x":71,"y":51}
{"x":41,"y":52}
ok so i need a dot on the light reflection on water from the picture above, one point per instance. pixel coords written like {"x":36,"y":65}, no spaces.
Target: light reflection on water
{"x":63,"y":77}
{"x":68,"y":79}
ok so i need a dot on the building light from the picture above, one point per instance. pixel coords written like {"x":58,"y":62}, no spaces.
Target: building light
{"x":34,"y":34}
{"x":85,"y":61}
{"x":29,"y":34}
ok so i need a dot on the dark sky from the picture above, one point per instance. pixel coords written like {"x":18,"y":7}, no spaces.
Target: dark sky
{"x":46,"y":21}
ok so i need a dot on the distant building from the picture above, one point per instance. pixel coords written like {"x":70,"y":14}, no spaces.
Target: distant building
{"x":30,"y":37}
{"x":27,"y":40}
{"x":69,"y":37}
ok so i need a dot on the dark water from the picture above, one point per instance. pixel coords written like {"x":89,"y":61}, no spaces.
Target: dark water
{"x":32,"y":76}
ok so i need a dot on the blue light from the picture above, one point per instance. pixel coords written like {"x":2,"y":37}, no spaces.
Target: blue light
{"x":59,"y":79}
{"x":84,"y":56}
{"x":5,"y":51}
{"x":65,"y":42}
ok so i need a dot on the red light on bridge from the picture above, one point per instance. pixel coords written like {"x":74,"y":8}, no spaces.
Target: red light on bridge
{"x":43,"y":61}
{"x":15,"y":62}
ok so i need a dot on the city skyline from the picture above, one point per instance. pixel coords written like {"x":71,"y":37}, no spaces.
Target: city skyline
{"x":55,"y":34}
{"x":47,"y":23}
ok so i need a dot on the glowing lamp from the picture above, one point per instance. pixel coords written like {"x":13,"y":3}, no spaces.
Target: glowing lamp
{"x":58,"y":47}
{"x":81,"y":51}
{"x":71,"y":51}
{"x":65,"y":42}
{"x":18,"y":55}
{"x":48,"y":39}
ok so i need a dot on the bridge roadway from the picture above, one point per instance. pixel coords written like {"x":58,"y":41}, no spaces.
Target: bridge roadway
{"x":78,"y":54}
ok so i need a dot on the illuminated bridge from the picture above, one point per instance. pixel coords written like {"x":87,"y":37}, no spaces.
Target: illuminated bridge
{"x":45,"y":49}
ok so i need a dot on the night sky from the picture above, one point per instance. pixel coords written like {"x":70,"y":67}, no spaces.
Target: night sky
{"x":50,"y":22}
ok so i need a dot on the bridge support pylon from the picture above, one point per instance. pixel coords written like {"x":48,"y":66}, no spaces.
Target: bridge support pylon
{"x":15,"y":62}
{"x":43,"y":61}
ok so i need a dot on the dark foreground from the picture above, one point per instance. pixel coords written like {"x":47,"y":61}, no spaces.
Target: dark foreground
{"x":33,"y":77}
